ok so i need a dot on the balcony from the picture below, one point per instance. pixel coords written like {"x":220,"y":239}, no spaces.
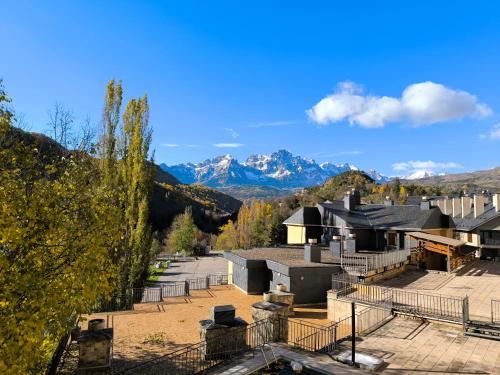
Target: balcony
{"x":491,"y":242}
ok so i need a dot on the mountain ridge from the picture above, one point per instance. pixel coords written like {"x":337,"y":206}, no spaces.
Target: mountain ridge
{"x":280,"y":169}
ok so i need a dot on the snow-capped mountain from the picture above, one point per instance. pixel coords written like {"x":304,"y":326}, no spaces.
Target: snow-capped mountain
{"x":418,"y":174}
{"x":280,"y":169}
{"x":377,"y":177}
{"x":289,"y":170}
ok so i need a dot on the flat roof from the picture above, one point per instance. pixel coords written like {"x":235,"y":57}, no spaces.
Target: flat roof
{"x":435,"y":238}
{"x":291,"y":257}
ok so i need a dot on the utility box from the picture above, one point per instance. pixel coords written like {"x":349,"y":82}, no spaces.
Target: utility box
{"x":312,"y":253}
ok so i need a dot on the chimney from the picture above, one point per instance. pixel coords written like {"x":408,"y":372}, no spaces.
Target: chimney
{"x":388,"y":201}
{"x":465,"y":206}
{"x":425,"y":204}
{"x":357,"y":196}
{"x":349,"y":201}
{"x":447,"y":206}
{"x":478,"y":205}
{"x":312,"y":253}
{"x":440,"y":204}
{"x":496,"y":202}
{"x":456,"y":207}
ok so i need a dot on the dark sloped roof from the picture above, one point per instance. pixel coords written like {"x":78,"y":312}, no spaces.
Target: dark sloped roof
{"x":305,"y":216}
{"x":381,"y":216}
{"x":469,"y":222}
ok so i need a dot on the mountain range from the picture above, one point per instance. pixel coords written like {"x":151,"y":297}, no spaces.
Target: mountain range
{"x":281,"y":170}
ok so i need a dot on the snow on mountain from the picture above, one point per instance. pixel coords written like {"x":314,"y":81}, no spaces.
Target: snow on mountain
{"x":280,"y":169}
{"x":418,"y":174}
{"x":377,"y":177}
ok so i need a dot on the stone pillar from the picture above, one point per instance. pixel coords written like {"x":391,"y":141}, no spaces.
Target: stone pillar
{"x":223,"y":339}
{"x":457,"y":207}
{"x":478,"y":205}
{"x":465,"y":206}
{"x":274,"y":318}
{"x":95,"y":346}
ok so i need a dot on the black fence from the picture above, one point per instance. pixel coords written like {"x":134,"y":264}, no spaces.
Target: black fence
{"x":412,"y":302}
{"x":201,"y":356}
{"x":127,"y":300}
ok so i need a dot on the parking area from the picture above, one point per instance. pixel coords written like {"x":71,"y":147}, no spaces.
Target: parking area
{"x":189,"y":267}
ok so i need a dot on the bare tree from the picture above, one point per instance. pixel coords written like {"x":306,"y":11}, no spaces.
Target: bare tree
{"x":86,"y":136}
{"x":60,"y":124}
{"x":21,"y":123}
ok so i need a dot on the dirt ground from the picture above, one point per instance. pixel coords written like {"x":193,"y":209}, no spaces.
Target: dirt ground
{"x":155,"y":329}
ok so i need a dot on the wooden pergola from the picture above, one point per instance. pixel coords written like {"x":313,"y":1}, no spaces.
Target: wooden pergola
{"x":450,"y":247}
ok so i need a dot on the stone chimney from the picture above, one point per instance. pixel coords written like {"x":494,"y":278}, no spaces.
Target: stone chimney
{"x":456,"y":207}
{"x":478,"y":205}
{"x":312,"y":253}
{"x":349,"y":201}
{"x":425,"y":204}
{"x":465,"y":206}
{"x":357,"y":196}
{"x":388,"y":201}
{"x":440,"y":204}
{"x":496,"y":201}
{"x":447,"y":204}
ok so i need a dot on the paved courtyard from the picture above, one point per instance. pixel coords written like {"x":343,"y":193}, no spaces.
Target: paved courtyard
{"x":191,"y":268}
{"x":480,"y":281}
{"x":411,"y":346}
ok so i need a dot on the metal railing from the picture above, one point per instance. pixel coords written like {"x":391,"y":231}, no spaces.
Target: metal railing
{"x":198,"y":357}
{"x":308,"y":336}
{"x":412,"y":302}
{"x":491,"y":242}
{"x":126,"y":300}
{"x":364,"y":263}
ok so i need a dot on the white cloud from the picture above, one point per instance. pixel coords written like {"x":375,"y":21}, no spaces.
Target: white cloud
{"x":422,"y":168}
{"x":233,"y":133}
{"x":493,"y":135}
{"x":170,"y":145}
{"x":420,"y":103}
{"x":228,"y":145}
{"x":272,"y":124}
{"x":192,"y":146}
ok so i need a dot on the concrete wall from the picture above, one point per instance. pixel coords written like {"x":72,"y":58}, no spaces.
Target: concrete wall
{"x":251,"y":276}
{"x":310,"y":284}
{"x":296,"y":234}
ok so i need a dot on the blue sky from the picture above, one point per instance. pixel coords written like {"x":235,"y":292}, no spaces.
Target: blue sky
{"x":245,"y":73}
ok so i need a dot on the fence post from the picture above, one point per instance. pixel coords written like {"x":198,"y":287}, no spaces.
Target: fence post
{"x":186,"y":288}
{"x":208,"y":281}
{"x":465,"y":311}
{"x":161,"y":294}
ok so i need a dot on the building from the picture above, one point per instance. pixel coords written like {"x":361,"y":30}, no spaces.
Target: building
{"x":306,"y":271}
{"x":370,"y":227}
{"x":476,"y":220}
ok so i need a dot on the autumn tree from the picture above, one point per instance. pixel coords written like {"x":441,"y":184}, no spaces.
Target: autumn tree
{"x":228,"y":237}
{"x":127,"y":176}
{"x":182,"y":235}
{"x":54,"y":258}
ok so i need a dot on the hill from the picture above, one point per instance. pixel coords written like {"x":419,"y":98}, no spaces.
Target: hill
{"x":480,"y":180}
{"x":170,"y":197}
